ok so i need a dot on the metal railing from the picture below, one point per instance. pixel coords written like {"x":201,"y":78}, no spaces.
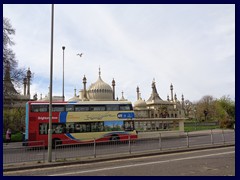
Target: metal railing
{"x":26,"y":152}
{"x":64,"y":150}
{"x":155,"y":142}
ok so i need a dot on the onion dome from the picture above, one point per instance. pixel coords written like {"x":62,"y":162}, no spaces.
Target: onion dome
{"x":75,"y":98}
{"x":140,"y":103}
{"x":100,"y":91}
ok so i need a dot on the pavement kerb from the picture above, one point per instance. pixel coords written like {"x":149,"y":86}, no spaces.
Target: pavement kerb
{"x":35,"y":165}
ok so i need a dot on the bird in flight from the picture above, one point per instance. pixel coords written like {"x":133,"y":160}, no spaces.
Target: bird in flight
{"x":80,"y":54}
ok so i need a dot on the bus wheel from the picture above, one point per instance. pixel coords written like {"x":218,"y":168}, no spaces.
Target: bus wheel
{"x":56,"y":142}
{"x":114,"y":137}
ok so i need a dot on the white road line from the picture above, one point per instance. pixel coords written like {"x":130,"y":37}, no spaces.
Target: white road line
{"x":142,"y":164}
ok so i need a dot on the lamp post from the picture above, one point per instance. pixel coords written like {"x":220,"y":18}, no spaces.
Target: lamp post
{"x":63,"y":98}
{"x":50,"y":93}
{"x":195,"y":118}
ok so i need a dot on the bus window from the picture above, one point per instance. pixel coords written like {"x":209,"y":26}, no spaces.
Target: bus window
{"x":57,"y":108}
{"x":43,"y":128}
{"x":69,"y":107}
{"x":85,"y":127}
{"x":58,"y":128}
{"x":112,"y":107}
{"x":97,"y":108}
{"x":81,"y":108}
{"x":78,"y":128}
{"x":128,"y":125}
{"x":69,"y":127}
{"x":125,"y":107}
{"x":96,"y":126}
{"x":39,"y":108}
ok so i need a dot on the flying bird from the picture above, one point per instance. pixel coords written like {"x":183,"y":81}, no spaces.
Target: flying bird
{"x":80,"y":55}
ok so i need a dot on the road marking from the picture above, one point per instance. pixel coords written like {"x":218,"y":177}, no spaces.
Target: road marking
{"x":142,"y":164}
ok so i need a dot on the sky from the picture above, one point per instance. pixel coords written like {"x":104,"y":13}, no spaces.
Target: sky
{"x":191,"y":47}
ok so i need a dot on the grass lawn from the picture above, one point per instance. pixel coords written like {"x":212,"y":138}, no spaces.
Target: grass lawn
{"x":198,"y":128}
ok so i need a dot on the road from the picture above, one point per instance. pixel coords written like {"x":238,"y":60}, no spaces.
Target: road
{"x":208,"y":162}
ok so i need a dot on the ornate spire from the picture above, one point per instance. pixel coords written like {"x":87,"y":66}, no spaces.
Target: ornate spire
{"x":171,"y":88}
{"x":138,"y":94}
{"x":154,"y":98}
{"x":75,"y":94}
{"x":113,"y":82}
{"x":113,"y":86}
{"x":122,"y":98}
{"x":99,"y":72}
{"x":84,"y":79}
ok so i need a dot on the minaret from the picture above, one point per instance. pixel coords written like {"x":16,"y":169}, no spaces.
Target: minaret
{"x":171,"y":88}
{"x":122,"y":99}
{"x":24,"y":86}
{"x":75,"y":94}
{"x":113,"y":86}
{"x":99,"y":72}
{"x":48,"y":92}
{"x":28,"y":81}
{"x":182,"y":101}
{"x":175,"y":97}
{"x":138,"y":96}
{"x":84,"y":88}
{"x":168,"y":98}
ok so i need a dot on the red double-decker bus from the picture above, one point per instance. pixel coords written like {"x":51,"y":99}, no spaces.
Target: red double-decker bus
{"x":80,"y":122}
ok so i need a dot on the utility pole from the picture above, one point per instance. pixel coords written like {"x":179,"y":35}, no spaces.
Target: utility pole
{"x":63,"y":98}
{"x":50,"y":93}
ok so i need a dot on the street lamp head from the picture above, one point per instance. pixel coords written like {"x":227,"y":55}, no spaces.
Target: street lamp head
{"x":63,"y":48}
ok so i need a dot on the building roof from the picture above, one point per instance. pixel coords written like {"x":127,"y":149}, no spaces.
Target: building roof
{"x":155,"y":99}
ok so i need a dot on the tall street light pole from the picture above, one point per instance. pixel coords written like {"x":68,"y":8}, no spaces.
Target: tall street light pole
{"x":50,"y":94}
{"x":195,"y":118}
{"x":63,"y":98}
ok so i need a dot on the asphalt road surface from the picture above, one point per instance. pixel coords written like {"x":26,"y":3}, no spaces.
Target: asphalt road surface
{"x":208,"y":162}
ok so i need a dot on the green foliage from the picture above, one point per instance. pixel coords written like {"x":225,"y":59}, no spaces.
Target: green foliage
{"x":228,"y":105}
{"x":221,"y":110}
{"x":13,"y":119}
{"x":17,"y":137}
{"x":227,"y":123}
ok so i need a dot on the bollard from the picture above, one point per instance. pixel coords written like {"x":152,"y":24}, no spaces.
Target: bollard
{"x":129,"y":144}
{"x":94,"y":148}
{"x":44,"y":152}
{"x":223,"y":137}
{"x":187,"y":140}
{"x":211,"y":137}
{"x":160,"y":141}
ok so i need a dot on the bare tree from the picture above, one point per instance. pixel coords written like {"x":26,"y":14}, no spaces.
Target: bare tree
{"x":9,"y":59}
{"x":188,"y":108}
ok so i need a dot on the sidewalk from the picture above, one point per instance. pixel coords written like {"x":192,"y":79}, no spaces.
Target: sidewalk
{"x":31,"y":165}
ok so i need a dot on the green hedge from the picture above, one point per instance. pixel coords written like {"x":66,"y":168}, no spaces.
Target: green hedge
{"x":17,"y":137}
